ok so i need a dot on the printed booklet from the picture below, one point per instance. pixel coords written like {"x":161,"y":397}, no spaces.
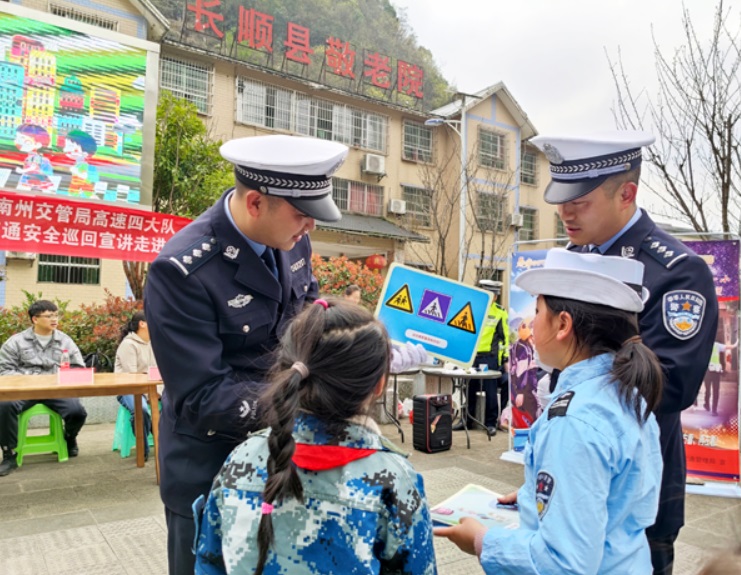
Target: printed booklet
{"x":477,"y":502}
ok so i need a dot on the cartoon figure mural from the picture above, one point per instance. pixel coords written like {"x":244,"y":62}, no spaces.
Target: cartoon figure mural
{"x":36,"y":168}
{"x":72,"y":120}
{"x":80,"y":146}
{"x":523,"y":373}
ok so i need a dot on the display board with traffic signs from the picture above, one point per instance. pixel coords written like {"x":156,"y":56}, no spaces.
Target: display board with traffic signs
{"x":443,"y":315}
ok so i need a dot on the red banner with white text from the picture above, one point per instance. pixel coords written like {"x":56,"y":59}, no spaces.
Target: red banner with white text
{"x":54,"y":225}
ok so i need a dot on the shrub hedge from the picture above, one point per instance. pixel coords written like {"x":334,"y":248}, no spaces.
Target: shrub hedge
{"x":94,"y":328}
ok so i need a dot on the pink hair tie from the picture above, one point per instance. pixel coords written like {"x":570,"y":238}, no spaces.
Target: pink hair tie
{"x":267,"y":508}
{"x":322,"y":303}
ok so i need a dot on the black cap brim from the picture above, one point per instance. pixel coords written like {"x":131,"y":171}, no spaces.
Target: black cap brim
{"x":562,"y":192}
{"x":320,"y":208}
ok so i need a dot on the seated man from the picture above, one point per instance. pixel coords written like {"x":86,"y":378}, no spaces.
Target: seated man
{"x":38,"y":351}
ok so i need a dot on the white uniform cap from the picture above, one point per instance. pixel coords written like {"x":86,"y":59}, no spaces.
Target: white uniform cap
{"x":491,"y":285}
{"x":580,"y":164}
{"x":607,"y":280}
{"x":296,"y":168}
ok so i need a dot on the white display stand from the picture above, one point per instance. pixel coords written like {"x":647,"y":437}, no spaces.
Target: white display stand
{"x":715,"y":489}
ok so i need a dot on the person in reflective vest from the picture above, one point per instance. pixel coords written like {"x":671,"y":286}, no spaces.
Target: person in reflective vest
{"x":492,"y":351}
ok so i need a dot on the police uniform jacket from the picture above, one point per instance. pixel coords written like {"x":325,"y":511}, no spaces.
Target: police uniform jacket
{"x":592,"y":477}
{"x":366,"y":516}
{"x":675,"y":278}
{"x":215,"y":314}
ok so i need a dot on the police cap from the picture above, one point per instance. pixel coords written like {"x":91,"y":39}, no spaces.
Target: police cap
{"x":580,"y":164}
{"x":296,"y":168}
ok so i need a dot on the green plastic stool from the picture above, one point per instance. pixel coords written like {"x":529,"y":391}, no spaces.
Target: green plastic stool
{"x":124,"y":439}
{"x":54,"y":442}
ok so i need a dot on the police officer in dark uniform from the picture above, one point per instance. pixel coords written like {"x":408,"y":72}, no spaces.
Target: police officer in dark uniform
{"x":594,"y":181}
{"x":218,"y":297}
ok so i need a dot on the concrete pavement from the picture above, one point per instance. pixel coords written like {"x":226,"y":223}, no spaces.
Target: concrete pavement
{"x":99,"y":514}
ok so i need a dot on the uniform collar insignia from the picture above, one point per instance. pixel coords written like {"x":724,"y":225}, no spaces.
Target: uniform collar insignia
{"x":240,"y":301}
{"x":627,"y":251}
{"x":231,"y":252}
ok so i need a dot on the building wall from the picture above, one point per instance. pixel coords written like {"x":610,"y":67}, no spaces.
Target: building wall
{"x":22,"y":275}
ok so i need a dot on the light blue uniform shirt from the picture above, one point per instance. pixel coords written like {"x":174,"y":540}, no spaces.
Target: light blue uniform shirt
{"x":592,"y":480}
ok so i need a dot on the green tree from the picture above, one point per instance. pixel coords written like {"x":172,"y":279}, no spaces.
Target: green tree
{"x":189,"y":172}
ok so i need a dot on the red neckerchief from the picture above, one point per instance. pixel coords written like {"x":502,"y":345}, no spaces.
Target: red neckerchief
{"x":322,"y":457}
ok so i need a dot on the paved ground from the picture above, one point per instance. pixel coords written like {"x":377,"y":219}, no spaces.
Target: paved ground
{"x":99,"y":514}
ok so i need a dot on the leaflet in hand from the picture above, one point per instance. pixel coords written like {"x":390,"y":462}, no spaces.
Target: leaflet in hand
{"x":477,"y":502}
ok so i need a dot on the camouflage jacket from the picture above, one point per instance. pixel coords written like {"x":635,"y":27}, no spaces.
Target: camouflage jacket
{"x":367,"y":516}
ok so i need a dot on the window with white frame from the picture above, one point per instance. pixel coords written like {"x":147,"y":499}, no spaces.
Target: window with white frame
{"x":489,"y":273}
{"x":529,"y":166}
{"x":490,"y":212}
{"x":419,"y":204}
{"x":269,"y":106}
{"x":417,"y":145}
{"x":357,"y":197}
{"x":491,"y":149}
{"x":68,"y":270}
{"x":188,"y":80}
{"x":529,"y":229}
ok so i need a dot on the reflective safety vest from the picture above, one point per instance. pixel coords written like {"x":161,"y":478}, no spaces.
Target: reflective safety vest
{"x":494,"y":332}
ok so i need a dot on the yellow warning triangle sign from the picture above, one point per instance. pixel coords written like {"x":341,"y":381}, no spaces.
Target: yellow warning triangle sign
{"x":464,"y":319}
{"x":401,"y":300}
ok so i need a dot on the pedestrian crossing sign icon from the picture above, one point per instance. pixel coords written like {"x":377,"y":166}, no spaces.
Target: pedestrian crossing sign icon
{"x":401,"y":300}
{"x":434,"y":306}
{"x":464,"y":319}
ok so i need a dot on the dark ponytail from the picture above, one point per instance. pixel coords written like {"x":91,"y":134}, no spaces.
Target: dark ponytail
{"x":329,"y":364}
{"x":131,"y":326}
{"x":601,"y":329}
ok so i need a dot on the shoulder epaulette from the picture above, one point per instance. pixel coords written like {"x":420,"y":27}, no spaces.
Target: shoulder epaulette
{"x":666,"y":255}
{"x":561,"y":405}
{"x":197,"y":254}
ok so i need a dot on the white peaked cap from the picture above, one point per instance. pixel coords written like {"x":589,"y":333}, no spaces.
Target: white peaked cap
{"x":607,"y":280}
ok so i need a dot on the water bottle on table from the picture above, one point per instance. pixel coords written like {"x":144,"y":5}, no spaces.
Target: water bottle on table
{"x":64,"y":362}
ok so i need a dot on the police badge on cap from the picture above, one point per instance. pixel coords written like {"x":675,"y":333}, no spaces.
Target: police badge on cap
{"x":580,"y":164}
{"x":295,"y":168}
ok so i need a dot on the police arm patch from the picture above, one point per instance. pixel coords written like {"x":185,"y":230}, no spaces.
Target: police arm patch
{"x":683,"y":312}
{"x":545,"y":484}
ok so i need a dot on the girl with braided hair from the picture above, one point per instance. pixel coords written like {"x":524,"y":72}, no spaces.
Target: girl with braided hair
{"x":593,"y":460}
{"x":321,"y":490}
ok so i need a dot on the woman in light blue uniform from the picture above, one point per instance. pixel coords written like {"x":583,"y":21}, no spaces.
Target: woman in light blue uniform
{"x":593,"y":461}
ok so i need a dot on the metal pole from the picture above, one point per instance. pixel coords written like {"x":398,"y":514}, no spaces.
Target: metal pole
{"x":464,"y":192}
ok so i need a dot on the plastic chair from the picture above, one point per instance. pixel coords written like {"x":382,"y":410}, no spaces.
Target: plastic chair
{"x":54,"y":442}
{"x":124,"y":439}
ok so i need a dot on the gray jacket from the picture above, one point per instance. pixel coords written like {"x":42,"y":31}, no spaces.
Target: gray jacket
{"x":22,"y":354}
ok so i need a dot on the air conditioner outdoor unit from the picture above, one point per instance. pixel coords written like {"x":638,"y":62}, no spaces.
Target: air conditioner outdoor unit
{"x":397,"y":206}
{"x":20,"y":255}
{"x":374,"y":164}
{"x":516,"y":220}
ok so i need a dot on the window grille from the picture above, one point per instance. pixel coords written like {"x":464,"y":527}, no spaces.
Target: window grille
{"x":68,"y":270}
{"x":490,"y":212}
{"x":419,"y":205}
{"x":85,"y":17}
{"x":417,"y":145}
{"x":357,"y":197}
{"x":491,"y":149}
{"x":529,"y":229}
{"x":529,"y":167}
{"x":269,"y":106}
{"x":188,"y":80}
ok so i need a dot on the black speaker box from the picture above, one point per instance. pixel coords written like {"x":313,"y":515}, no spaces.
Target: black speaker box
{"x":432,"y":430}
